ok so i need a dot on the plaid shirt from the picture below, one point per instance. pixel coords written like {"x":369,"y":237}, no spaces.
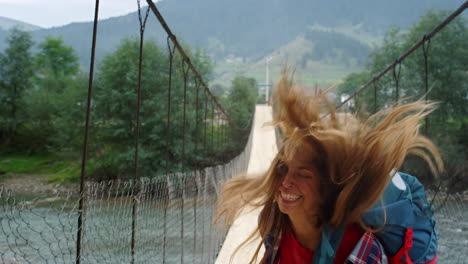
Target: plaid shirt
{"x":367,"y":251}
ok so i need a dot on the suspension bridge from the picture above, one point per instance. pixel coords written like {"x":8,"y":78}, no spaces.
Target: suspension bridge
{"x":168,"y":219}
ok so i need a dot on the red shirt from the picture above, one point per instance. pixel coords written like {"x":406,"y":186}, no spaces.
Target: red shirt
{"x":291,"y":252}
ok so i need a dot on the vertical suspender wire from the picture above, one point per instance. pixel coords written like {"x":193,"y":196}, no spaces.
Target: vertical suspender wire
{"x":213,"y":160}
{"x":222,"y":139}
{"x":185,"y":72}
{"x":197,"y":134}
{"x":137,"y":131}
{"x":375,"y":97}
{"x":396,"y":78}
{"x":226,"y":136}
{"x":220,"y":175}
{"x":204,"y":242}
{"x":205,"y":152}
{"x":168,"y":139}
{"x":212,"y":133}
{"x":79,"y":235}
{"x":218,"y":136}
{"x":180,"y":49}
{"x":205,"y":127}
{"x":425,"y":47}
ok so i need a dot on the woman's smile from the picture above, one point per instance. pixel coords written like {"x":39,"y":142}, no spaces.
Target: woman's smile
{"x":288,"y":197}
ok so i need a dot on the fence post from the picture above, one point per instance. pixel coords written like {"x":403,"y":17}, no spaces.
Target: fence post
{"x":79,"y":235}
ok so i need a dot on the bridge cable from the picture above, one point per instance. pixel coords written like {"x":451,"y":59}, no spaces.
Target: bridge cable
{"x":452,"y":16}
{"x":142,"y":24}
{"x":396,"y":78}
{"x":425,"y":49}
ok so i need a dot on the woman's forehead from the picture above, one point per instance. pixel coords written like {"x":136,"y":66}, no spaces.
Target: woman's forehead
{"x":298,"y":150}
{"x":300,"y":157}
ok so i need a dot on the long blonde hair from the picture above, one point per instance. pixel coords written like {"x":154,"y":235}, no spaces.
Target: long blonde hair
{"x":353,"y":158}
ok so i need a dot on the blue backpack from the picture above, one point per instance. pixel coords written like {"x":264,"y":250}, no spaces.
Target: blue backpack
{"x":405,"y":222}
{"x":408,"y":231}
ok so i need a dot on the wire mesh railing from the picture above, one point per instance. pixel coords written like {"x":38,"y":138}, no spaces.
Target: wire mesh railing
{"x":173,"y":219}
{"x":451,"y":214}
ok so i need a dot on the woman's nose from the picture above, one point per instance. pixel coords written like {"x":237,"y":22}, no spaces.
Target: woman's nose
{"x":288,"y":180}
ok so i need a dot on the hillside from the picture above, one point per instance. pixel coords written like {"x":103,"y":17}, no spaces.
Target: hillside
{"x":250,"y":30}
{"x":318,"y":56}
{"x":7,"y":23}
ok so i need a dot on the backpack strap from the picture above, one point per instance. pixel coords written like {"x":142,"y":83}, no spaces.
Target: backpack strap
{"x":404,"y":250}
{"x":329,"y":242}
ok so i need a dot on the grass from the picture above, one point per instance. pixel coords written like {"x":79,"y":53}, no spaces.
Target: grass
{"x":71,"y":173}
{"x":58,"y":169}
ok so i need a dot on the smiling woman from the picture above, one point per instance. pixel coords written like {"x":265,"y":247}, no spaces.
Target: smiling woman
{"x":329,"y":172}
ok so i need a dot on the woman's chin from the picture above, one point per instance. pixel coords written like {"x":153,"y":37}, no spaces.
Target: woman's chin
{"x":288,"y":208}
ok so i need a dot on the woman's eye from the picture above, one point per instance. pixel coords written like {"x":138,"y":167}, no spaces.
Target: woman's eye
{"x":305,"y":174}
{"x":282,"y":168}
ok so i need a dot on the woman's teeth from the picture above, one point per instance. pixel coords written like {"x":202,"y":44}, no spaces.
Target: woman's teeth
{"x":289,"y":197}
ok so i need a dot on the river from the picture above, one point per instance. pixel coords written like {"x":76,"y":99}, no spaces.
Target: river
{"x":34,"y":234}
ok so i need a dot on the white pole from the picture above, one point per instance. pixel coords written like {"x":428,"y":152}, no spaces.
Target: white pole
{"x":267,"y":79}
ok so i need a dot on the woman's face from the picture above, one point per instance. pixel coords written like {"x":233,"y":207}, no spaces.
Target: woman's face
{"x":298,"y":190}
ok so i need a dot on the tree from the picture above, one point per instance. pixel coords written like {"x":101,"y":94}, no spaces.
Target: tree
{"x":242,"y":101}
{"x":115,"y":106}
{"x":447,"y":59}
{"x":241,"y":106}
{"x":55,"y":64}
{"x":56,"y":59}
{"x":56,"y":81}
{"x":16,"y":71}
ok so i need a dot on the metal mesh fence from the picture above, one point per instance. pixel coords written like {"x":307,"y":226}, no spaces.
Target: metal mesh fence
{"x":173,"y":220}
{"x":451,"y":213}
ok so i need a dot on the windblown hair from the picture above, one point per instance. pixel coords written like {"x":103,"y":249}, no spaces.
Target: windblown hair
{"x":354,"y":159}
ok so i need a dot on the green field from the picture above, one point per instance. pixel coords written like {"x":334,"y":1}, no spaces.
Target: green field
{"x":57,"y":169}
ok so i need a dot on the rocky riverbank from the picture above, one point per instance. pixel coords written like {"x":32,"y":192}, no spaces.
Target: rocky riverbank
{"x":28,"y":184}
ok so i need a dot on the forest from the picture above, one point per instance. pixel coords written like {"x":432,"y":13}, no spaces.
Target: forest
{"x":43,"y":102}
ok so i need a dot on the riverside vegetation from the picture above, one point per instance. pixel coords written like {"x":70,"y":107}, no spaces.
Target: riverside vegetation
{"x":43,"y":100}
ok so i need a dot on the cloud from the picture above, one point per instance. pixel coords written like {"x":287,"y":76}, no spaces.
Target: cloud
{"x":18,"y":2}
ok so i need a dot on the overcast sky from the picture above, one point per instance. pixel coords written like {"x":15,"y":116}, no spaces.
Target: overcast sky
{"x":50,"y":13}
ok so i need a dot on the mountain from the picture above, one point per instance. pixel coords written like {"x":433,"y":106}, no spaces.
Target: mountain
{"x":7,"y":23}
{"x":252,"y":29}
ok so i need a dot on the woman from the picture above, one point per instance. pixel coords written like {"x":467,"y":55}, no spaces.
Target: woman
{"x":330,"y":170}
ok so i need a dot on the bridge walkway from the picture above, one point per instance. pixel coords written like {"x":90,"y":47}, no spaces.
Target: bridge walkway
{"x":263,"y":151}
